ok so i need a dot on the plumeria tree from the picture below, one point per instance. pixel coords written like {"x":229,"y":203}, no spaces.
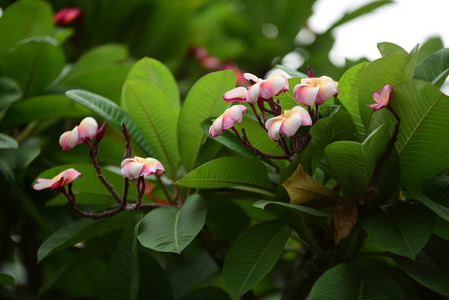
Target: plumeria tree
{"x":324,"y":185}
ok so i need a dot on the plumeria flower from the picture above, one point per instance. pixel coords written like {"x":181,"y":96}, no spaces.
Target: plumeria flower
{"x":136,"y":167}
{"x":382,"y":98}
{"x":266,"y":88}
{"x":227,"y":119}
{"x":84,"y":132}
{"x":288,"y":123}
{"x":237,"y":94}
{"x":67,"y":15}
{"x":60,"y":180}
{"x":315,"y":90}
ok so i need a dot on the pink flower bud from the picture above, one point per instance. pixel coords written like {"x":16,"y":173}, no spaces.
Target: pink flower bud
{"x":266,"y":88}
{"x":135,"y":167}
{"x":315,"y":90}
{"x":236,"y":95}
{"x":60,"y":180}
{"x":382,"y":98}
{"x":288,"y":123}
{"x":67,"y":16}
{"x":227,"y":120}
{"x":84,"y":132}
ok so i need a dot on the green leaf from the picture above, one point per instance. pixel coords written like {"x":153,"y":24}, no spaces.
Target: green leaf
{"x":226,"y":172}
{"x":337,"y":125}
{"x":395,"y":228}
{"x":348,"y":94}
{"x":171,"y":229}
{"x":36,"y":20}
{"x":204,"y":100}
{"x":89,"y":182}
{"x":157,"y":73}
{"x":434,"y":193}
{"x":360,"y":12}
{"x":434,"y":68}
{"x":387,"y":48}
{"x":346,"y":282}
{"x":298,"y":217}
{"x":421,"y":147}
{"x":353,"y":163}
{"x":101,"y":70}
{"x":154,"y":283}
{"x":113,"y":114}
{"x":156,"y":119}
{"x":7,"y":280}
{"x":34,"y":64}
{"x":9,"y":93}
{"x":42,"y":108}
{"x":431,"y":46}
{"x":253,"y":255}
{"x":292,"y":72}
{"x":78,"y":231}
{"x":287,"y":99}
{"x":8,"y":142}
{"x":14,"y":162}
{"x":431,"y":266}
{"x":207,"y":293}
{"x":122,"y":278}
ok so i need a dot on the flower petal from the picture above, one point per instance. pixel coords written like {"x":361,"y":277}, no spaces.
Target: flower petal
{"x":290,"y":125}
{"x":305,"y":94}
{"x":237,"y":94}
{"x":273,"y":130}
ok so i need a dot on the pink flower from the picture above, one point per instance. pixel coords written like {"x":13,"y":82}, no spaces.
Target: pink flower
{"x":265,"y":89}
{"x":135,"y":167}
{"x":60,"y":180}
{"x":227,"y":120}
{"x":288,"y":123}
{"x":315,"y":90}
{"x":238,"y":94}
{"x":84,"y":132}
{"x":67,"y":16}
{"x":382,"y":98}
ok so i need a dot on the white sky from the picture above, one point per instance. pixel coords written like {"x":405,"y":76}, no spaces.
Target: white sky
{"x":405,"y":22}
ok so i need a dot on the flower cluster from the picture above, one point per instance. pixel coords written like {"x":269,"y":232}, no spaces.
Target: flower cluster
{"x":261,"y":92}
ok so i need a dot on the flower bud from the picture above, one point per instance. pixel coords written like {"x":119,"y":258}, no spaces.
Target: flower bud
{"x":84,"y":132}
{"x":382,"y":98}
{"x":67,"y":16}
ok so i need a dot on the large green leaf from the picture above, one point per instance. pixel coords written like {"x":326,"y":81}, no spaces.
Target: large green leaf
{"x":13,"y":162}
{"x":9,"y":93}
{"x":253,"y":255}
{"x":431,"y":266}
{"x":101,"y":70}
{"x":34,"y":64}
{"x":171,"y":229}
{"x":348,"y":94}
{"x":122,"y":278}
{"x":346,"y":282}
{"x":89,"y":182}
{"x":42,"y":108}
{"x":353,"y":163}
{"x":434,"y":193}
{"x":157,"y":73}
{"x":7,"y":280}
{"x":78,"y":231}
{"x":154,"y":283}
{"x":421,"y":144}
{"x":336,"y":126}
{"x":36,"y":19}
{"x":226,"y":172}
{"x":113,"y":114}
{"x":156,"y":119}
{"x":204,"y":100}
{"x":387,"y":48}
{"x":434,"y":68}
{"x":395,"y":228}
{"x":429,"y":47}
{"x":7,"y":142}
